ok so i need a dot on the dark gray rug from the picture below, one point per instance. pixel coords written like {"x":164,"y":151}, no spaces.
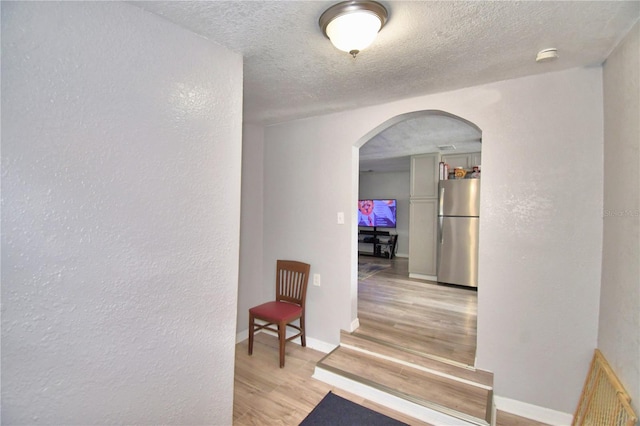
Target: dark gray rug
{"x":334,"y":410}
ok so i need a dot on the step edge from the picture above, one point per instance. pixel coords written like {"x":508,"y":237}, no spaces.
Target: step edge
{"x":400,"y":405}
{"x":462,"y":366}
{"x":488,"y":389}
{"x":415,"y":352}
{"x":419,"y":367}
{"x":415,"y":400}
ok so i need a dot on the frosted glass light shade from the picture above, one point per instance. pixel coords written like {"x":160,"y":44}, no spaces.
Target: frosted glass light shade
{"x":354,"y":31}
{"x":354,"y":24}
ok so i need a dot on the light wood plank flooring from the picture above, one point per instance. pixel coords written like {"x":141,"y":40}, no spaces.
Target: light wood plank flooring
{"x":416,"y":314}
{"x":265,"y":394}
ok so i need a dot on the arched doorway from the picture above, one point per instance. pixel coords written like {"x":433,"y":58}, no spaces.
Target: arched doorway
{"x":444,"y":317}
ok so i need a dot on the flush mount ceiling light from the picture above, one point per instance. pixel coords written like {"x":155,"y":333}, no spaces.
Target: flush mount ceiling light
{"x":353,"y":25}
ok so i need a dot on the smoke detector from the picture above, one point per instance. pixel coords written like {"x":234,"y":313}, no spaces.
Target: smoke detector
{"x":547,"y":55}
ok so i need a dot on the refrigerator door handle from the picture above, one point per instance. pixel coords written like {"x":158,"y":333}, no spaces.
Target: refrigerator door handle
{"x":441,"y":201}
{"x":439,"y":248}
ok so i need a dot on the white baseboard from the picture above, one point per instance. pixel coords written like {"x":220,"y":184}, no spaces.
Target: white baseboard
{"x":312,"y":343}
{"x":402,"y":255}
{"x":242,"y":336}
{"x":533,"y":412}
{"x":320,"y":345}
{"x":354,"y":325}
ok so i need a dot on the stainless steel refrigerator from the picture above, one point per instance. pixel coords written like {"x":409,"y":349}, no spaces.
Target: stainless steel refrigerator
{"x":458,"y":224}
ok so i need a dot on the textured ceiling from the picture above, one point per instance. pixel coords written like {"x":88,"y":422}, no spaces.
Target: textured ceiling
{"x":292,"y":71}
{"x":419,"y":133}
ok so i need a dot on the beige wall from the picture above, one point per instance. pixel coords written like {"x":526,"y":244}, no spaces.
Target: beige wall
{"x":121,"y":154}
{"x":619,"y":325}
{"x":540,"y":231}
{"x":251,"y":241}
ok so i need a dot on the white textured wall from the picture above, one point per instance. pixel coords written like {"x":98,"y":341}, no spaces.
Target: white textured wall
{"x":540,"y":231}
{"x":619,"y":333}
{"x":121,"y":156}
{"x":390,"y":185}
{"x":541,"y":237}
{"x":251,"y":274}
{"x":307,"y":180}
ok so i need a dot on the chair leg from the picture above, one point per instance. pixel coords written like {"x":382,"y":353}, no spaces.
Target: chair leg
{"x":303,"y":339}
{"x":282,"y":337}
{"x":251,"y":322}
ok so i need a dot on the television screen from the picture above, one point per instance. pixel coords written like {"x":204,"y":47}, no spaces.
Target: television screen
{"x":377,"y":213}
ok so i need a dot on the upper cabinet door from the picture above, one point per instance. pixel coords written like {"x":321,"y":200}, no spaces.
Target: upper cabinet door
{"x":466,"y":161}
{"x":476,"y":159}
{"x":424,"y":175}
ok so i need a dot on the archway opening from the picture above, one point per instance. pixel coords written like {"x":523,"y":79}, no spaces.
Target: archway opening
{"x":403,"y":303}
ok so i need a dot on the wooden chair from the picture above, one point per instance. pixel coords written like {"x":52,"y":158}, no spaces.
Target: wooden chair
{"x":292,"y":278}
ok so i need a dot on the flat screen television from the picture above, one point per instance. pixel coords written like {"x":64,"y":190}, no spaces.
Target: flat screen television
{"x":375,"y":213}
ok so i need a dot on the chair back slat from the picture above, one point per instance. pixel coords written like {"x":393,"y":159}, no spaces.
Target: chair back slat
{"x":292,"y":278}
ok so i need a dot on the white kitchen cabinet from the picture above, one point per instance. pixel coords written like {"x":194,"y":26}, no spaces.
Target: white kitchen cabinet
{"x":423,"y":234}
{"x":424,"y":176}
{"x":423,"y":215}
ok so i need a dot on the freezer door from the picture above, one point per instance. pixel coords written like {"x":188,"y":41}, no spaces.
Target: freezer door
{"x":459,"y":197}
{"x":458,"y":250}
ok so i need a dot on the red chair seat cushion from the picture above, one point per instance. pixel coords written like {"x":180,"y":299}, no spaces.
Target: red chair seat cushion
{"x":276,"y":311}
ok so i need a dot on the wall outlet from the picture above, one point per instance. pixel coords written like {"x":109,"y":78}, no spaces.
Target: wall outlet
{"x":316,"y":280}
{"x":340,"y":218}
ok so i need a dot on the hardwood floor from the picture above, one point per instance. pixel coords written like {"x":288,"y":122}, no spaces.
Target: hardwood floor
{"x":265,"y":394}
{"x":416,"y":314}
{"x":508,"y":419}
